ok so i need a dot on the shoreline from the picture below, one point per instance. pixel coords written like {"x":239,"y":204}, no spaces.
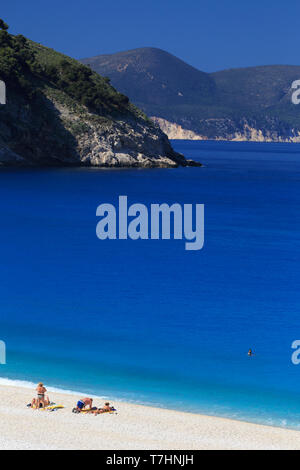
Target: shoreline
{"x":135,"y":427}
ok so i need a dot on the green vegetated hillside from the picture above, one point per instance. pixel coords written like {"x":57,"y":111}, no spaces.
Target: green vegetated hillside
{"x":59,"y":111}
{"x":250,"y":103}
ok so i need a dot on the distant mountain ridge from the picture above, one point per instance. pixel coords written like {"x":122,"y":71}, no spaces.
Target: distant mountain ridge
{"x":155,"y":84}
{"x":238,"y":104}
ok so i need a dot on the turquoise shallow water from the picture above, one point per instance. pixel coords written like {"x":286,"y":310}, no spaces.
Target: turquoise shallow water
{"x":147,"y":321}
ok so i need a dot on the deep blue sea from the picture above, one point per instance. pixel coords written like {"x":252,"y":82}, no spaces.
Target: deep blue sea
{"x":147,"y":321}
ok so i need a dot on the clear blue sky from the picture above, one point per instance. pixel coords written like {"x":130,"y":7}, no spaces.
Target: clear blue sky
{"x":211,"y":35}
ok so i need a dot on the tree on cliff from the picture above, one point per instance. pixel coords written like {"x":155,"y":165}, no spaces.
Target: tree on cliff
{"x":3,"y":25}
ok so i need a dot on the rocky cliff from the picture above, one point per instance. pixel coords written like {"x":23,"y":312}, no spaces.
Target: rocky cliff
{"x":227,"y":129}
{"x":50,"y":132}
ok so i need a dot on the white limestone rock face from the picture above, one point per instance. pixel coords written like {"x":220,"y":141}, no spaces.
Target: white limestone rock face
{"x":125,"y":143}
{"x":226,"y":129}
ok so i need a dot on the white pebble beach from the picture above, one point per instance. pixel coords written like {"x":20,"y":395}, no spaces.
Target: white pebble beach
{"x":135,"y":427}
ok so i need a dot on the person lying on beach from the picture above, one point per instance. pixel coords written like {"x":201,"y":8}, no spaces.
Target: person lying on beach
{"x":41,"y":390}
{"x":83,"y":403}
{"x":106,"y":409}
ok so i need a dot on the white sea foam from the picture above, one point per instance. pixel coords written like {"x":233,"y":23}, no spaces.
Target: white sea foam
{"x":30,"y":385}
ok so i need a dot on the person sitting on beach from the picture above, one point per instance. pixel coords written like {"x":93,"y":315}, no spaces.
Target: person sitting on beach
{"x":41,"y":390}
{"x":83,"y":403}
